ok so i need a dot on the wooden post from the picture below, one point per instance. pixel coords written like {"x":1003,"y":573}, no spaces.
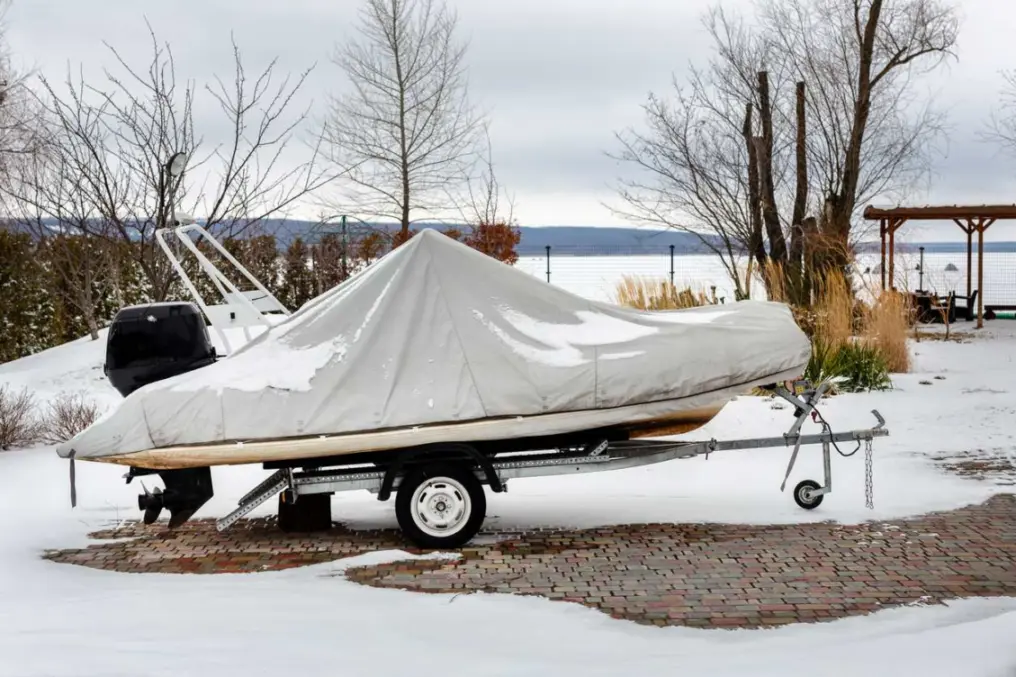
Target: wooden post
{"x":892,"y":253}
{"x":881,"y":231}
{"x":980,"y":274}
{"x":982,"y":225}
{"x":968,"y":228}
{"x":970,"y":263}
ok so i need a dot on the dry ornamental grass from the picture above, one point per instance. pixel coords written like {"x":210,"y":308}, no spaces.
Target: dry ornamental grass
{"x":647,"y":293}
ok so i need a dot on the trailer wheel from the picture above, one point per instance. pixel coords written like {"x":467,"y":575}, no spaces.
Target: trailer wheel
{"x":805,"y":497}
{"x":440,"y":506}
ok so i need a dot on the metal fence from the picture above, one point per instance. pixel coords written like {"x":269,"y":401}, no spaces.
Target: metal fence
{"x":595,"y":271}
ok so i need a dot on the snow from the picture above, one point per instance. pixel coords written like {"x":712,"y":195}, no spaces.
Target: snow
{"x":61,"y":620}
{"x":559,"y":340}
{"x":374,"y":307}
{"x":293,"y":368}
{"x":72,"y":367}
{"x":621,"y":356}
{"x":677,"y":317}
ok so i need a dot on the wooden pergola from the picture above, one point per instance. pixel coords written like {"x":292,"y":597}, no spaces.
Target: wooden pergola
{"x":970,"y":219}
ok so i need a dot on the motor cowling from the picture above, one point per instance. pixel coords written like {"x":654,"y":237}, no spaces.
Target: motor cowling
{"x":154,"y":341}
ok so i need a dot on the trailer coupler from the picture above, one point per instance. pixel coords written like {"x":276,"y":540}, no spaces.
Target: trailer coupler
{"x":186,"y":491}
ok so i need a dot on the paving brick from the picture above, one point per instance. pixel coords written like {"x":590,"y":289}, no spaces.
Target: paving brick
{"x":699,"y":575}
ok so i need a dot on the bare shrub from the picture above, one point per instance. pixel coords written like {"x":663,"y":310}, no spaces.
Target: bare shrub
{"x":67,"y":415}
{"x":19,"y":425}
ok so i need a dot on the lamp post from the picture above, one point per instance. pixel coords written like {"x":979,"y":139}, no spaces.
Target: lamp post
{"x":920,"y":273}
{"x":175,"y":167}
{"x":358,"y":227}
{"x":345,"y":244}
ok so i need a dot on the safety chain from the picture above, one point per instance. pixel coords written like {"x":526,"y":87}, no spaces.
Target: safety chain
{"x":869,"y":496}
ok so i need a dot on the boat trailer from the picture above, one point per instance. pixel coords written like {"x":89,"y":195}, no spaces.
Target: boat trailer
{"x":436,"y":499}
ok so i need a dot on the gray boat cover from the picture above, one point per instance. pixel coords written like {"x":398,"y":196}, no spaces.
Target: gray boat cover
{"x":436,"y":333}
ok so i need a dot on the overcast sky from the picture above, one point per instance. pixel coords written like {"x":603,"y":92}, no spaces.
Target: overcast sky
{"x":558,"y":76}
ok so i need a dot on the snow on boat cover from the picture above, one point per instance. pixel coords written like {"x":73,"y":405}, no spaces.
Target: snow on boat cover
{"x":438,"y":342}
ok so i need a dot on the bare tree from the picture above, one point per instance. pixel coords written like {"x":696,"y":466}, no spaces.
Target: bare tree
{"x":1001,"y":128}
{"x":697,"y":165}
{"x":53,"y":204}
{"x":483,"y":199}
{"x":405,"y":131}
{"x":20,"y":136}
{"x":871,"y":137}
{"x":117,"y":136}
{"x":847,"y":133}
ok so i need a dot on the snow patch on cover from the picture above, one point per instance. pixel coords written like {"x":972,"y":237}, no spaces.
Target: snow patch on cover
{"x":622,"y":356}
{"x":560,"y":340}
{"x":373,"y":308}
{"x":276,"y":363}
{"x":272,"y":365}
{"x":683,"y":317}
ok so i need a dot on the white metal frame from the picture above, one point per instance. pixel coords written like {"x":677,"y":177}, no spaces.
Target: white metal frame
{"x":243,"y":310}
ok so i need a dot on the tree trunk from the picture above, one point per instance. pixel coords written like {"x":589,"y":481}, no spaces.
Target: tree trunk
{"x":756,"y":245}
{"x":796,"y":277}
{"x":404,"y":231}
{"x":93,"y":326}
{"x":770,"y":213}
{"x":837,"y":229}
{"x":810,"y":245}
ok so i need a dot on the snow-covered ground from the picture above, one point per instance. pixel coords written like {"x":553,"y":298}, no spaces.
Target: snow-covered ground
{"x":63,"y":620}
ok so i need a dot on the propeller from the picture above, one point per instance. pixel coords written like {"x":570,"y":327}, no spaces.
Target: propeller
{"x":151,"y":502}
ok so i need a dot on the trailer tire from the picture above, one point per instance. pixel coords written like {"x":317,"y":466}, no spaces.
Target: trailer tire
{"x":440,"y":505}
{"x":803,"y":495}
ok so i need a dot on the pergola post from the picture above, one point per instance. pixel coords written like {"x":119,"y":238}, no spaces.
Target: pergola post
{"x":968,"y":228}
{"x":894,"y":225}
{"x":980,"y":275}
{"x":881,"y":232}
{"x":982,"y":225}
{"x":970,"y":262}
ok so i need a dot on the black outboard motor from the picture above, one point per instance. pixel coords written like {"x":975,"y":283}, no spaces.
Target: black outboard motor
{"x":148,"y":343}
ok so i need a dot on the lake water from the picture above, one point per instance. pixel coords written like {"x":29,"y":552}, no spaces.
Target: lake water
{"x":596,"y":277}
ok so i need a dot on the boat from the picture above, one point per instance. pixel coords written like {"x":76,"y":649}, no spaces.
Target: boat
{"x":433,"y":373}
{"x":438,"y":343}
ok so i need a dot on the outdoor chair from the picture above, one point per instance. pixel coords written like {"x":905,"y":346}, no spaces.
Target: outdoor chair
{"x":968,"y":311}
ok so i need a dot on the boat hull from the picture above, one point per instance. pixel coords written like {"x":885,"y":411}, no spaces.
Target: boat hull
{"x":664,"y":418}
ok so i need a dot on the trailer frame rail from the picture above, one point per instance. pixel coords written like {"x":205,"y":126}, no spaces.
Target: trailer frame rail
{"x":603,"y":455}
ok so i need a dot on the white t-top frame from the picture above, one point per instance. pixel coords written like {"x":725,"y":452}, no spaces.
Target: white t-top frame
{"x":238,"y":309}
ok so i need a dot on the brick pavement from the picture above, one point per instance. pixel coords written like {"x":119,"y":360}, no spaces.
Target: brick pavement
{"x":704,"y":575}
{"x":997,"y":466}
{"x":196,"y":547}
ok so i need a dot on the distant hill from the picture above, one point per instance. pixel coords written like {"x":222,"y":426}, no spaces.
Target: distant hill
{"x":563,"y":240}
{"x":592,"y":240}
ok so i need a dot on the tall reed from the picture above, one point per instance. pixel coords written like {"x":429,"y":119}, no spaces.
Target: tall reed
{"x":647,"y":293}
